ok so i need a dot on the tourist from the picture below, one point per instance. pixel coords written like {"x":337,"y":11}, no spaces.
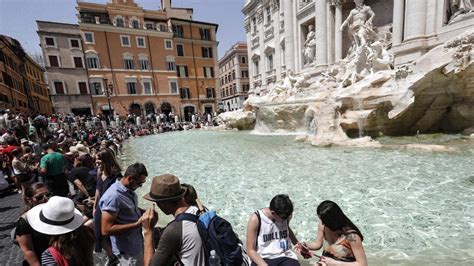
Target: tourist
{"x":32,"y":243}
{"x":108,"y":172}
{"x":83,"y":176}
{"x":179,"y":239}
{"x":340,"y":239}
{"x":121,"y":217}
{"x":52,"y":169}
{"x":69,"y":239}
{"x":21,"y":169}
{"x":269,"y":236}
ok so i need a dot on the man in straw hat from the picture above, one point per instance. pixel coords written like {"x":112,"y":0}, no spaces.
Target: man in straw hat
{"x":179,"y":239}
{"x":121,"y":217}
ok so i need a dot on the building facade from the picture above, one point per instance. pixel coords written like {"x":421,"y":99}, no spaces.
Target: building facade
{"x":234,"y":77}
{"x":305,"y":35}
{"x":63,"y":55}
{"x":22,"y":82}
{"x":148,"y":61}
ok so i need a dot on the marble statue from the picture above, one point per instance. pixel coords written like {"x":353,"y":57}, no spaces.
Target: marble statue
{"x":379,"y":59}
{"x":359,"y":22}
{"x":459,"y":7}
{"x":310,"y":46}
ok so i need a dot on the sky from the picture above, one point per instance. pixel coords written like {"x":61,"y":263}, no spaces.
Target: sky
{"x":18,"y":18}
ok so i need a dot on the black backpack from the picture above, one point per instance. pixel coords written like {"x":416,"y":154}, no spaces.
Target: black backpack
{"x":217,"y":234}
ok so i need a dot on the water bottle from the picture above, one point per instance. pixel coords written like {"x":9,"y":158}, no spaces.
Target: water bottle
{"x":214,"y":259}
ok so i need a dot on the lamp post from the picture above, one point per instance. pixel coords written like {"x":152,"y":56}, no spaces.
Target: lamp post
{"x":108,"y":93}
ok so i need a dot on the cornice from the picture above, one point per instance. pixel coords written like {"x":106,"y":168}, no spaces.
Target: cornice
{"x":123,"y":30}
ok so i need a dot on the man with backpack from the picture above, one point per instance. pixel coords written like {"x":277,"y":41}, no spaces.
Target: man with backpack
{"x":180,"y":240}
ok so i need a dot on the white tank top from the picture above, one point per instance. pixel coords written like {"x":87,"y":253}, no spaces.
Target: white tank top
{"x":273,"y":240}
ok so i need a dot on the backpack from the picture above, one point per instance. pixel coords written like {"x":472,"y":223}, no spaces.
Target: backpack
{"x":217,"y":234}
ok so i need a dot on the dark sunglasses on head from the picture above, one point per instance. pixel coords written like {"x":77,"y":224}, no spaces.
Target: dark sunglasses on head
{"x":281,"y":216}
{"x":43,"y":196}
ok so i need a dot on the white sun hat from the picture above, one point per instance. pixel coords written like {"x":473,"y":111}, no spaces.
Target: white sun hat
{"x":55,"y":217}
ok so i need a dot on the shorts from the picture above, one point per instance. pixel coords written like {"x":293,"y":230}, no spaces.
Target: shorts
{"x":283,"y":261}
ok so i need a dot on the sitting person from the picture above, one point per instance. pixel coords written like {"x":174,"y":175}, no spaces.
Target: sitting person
{"x":70,"y":241}
{"x":340,"y":238}
{"x":31,"y":242}
{"x":269,"y":236}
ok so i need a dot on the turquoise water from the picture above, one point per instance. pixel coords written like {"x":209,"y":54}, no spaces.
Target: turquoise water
{"x":413,"y":207}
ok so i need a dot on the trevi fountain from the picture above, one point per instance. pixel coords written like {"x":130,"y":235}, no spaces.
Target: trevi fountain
{"x":391,"y":143}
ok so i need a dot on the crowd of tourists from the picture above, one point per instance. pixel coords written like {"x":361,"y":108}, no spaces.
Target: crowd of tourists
{"x":78,"y":201}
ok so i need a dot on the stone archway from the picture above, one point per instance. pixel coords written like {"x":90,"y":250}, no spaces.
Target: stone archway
{"x":135,"y":109}
{"x":149,"y":108}
{"x":166,"y":108}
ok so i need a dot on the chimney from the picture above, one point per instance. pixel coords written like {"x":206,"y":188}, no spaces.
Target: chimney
{"x":165,"y":4}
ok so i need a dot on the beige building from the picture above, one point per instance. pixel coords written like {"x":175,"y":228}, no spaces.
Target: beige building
{"x":63,"y":55}
{"x":148,"y":61}
{"x":234,"y":77}
{"x":22,"y":82}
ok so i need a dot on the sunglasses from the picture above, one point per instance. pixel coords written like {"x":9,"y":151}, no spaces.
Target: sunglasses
{"x":43,"y":196}
{"x":281,"y":216}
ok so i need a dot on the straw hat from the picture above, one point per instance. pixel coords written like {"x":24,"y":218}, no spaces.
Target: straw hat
{"x":55,"y":217}
{"x":165,"y":187}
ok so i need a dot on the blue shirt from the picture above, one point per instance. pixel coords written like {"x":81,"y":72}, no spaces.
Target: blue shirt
{"x":124,"y":202}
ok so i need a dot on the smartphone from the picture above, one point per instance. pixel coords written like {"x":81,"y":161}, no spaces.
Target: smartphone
{"x":316,"y":255}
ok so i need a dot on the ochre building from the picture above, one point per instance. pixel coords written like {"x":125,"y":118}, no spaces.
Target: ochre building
{"x":148,"y":61}
{"x":22,"y":84}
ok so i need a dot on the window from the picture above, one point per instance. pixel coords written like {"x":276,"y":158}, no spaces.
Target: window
{"x":245,"y":87}
{"x":135,"y":24}
{"x":53,"y":60}
{"x":269,"y":62}
{"x":144,"y":64}
{"x":254,"y":23}
{"x":149,"y":26}
{"x":184,"y":93}
{"x":128,"y":63}
{"x":180,"y":49}
{"x":178,"y":31}
{"x":74,"y":43}
{"x":59,"y":87}
{"x":210,"y":93}
{"x":205,"y":34}
{"x":96,"y":87}
{"x":141,"y":42}
{"x":131,"y":87}
{"x":243,"y":60}
{"x":147,"y":87}
{"x":78,"y":62}
{"x":163,"y":28}
{"x":233,"y":75}
{"x":256,"y":67}
{"x":182,"y":71}
{"x":125,"y":40}
{"x":173,"y":87}
{"x":168,"y":44}
{"x":92,"y":61}
{"x":82,"y":88}
{"x":208,"y":72}
{"x":49,"y":41}
{"x":206,"y":52}
{"x":245,"y":74}
{"x":89,"y":37}
{"x":119,"y":22}
{"x":269,"y":14}
{"x":170,"y":65}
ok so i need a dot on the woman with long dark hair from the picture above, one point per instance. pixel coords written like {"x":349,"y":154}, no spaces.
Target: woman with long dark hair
{"x":340,"y":239}
{"x":109,"y":171}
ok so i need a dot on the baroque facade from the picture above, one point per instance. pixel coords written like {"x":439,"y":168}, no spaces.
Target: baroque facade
{"x":63,"y":55}
{"x":22,"y":82}
{"x":149,"y":61}
{"x":306,"y":36}
{"x":234,"y":77}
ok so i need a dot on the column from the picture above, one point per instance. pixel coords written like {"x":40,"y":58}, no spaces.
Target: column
{"x":415,"y":18}
{"x":338,"y":23}
{"x":289,"y":34}
{"x":398,"y":21}
{"x":321,"y":33}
